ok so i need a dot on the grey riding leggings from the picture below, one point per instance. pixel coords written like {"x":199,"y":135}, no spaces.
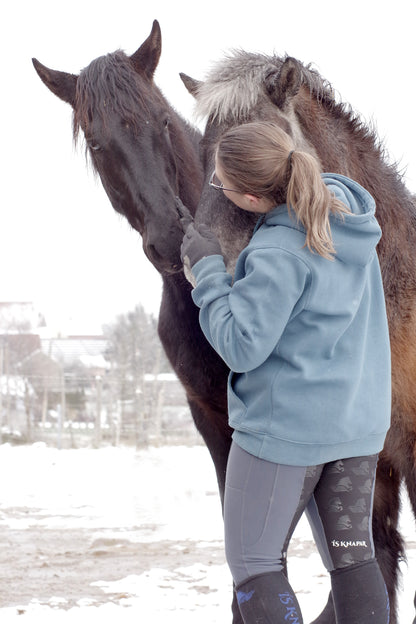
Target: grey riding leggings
{"x":264,"y":502}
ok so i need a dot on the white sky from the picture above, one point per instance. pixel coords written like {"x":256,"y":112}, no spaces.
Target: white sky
{"x":61,"y":244}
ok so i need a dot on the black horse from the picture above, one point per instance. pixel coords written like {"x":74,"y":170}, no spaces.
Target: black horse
{"x":145,"y":155}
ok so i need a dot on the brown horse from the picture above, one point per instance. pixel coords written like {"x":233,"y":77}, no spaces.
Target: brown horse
{"x":245,"y":87}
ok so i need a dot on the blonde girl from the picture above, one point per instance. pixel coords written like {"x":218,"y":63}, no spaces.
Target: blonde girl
{"x":303,"y":329}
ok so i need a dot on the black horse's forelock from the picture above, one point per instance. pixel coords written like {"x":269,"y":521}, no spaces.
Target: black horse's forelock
{"x":109,"y":84}
{"x":235,"y":85}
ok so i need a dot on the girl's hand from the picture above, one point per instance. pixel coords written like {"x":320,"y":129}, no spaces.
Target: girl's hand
{"x":198,"y":243}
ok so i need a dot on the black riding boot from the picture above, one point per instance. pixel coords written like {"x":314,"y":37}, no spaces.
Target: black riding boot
{"x":360,"y":595}
{"x":268,"y":599}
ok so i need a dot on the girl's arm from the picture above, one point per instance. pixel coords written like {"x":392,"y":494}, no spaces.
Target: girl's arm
{"x":244,"y":321}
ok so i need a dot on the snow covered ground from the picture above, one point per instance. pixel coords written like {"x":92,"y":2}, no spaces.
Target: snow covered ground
{"x":88,"y":535}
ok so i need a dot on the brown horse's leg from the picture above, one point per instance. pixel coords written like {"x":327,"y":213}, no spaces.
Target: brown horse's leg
{"x":409,"y":471}
{"x":387,"y":540}
{"x":414,"y":602}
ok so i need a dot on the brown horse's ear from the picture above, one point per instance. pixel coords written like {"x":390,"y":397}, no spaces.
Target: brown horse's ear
{"x":146,"y":58}
{"x":60,"y":83}
{"x":283,"y":85}
{"x":191,"y":84}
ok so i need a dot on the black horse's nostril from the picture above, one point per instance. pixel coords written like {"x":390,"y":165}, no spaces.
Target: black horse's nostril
{"x":154,"y":256}
{"x":151,"y":252}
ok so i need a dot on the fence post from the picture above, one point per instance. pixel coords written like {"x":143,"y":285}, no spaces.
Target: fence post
{"x":97,"y":428}
{"x":62,"y":409}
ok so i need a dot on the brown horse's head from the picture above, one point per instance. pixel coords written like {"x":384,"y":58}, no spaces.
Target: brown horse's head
{"x":247,"y":87}
{"x":243,"y":88}
{"x":143,"y":152}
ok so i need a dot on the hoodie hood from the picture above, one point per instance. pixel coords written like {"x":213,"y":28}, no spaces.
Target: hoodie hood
{"x":355,"y":235}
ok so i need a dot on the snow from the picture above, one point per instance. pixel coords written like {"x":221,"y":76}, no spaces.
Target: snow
{"x":152,"y":495}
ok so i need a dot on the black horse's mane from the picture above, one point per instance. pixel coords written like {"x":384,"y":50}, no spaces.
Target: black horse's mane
{"x":109,"y":84}
{"x":106,"y":86}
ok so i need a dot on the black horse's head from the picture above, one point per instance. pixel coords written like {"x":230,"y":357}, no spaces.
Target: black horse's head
{"x":144,"y":153}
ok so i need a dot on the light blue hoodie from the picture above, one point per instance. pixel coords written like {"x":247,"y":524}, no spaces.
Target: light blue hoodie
{"x":306,"y":338}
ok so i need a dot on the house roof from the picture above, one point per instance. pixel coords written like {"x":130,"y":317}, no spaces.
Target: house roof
{"x":72,"y":348}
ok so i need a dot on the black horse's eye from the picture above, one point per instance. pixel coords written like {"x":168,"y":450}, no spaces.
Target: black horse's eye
{"x":92,"y":144}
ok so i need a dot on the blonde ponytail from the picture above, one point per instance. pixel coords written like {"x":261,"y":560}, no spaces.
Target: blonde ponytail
{"x":260,"y":158}
{"x":312,"y":203}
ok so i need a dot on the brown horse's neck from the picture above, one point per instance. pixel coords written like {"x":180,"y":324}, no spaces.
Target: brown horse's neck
{"x":339,"y":138}
{"x":345,"y":145}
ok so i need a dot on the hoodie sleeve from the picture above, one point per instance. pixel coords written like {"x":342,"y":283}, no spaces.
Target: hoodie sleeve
{"x":244,"y":321}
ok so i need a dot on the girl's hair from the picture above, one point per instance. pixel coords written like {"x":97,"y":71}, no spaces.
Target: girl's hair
{"x":260,"y":158}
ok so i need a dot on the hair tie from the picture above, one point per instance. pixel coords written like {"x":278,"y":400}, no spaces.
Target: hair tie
{"x":289,"y":159}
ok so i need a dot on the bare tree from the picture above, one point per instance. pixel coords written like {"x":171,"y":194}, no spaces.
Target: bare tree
{"x":133,"y":351}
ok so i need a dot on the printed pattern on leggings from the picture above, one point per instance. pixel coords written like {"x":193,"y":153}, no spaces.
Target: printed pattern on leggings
{"x":344,"y":496}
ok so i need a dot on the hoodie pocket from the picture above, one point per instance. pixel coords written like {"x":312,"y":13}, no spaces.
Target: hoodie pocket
{"x":236,"y":407}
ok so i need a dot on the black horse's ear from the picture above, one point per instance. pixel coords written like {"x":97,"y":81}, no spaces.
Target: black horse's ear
{"x":60,"y":83}
{"x":191,"y":84}
{"x":283,"y":85}
{"x":146,"y":58}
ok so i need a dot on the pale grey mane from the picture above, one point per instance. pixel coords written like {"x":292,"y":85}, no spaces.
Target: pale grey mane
{"x":235,"y":85}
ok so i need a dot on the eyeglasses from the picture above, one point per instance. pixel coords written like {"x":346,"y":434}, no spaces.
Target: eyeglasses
{"x":219,"y":187}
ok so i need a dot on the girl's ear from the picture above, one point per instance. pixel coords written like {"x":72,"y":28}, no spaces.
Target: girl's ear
{"x":252,"y":200}
{"x":257,"y":204}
